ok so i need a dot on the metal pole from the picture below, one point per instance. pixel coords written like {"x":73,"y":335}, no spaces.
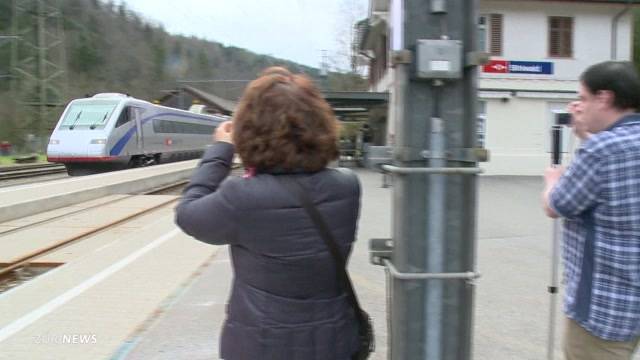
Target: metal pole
{"x":435,"y":234}
{"x":434,"y":211}
{"x":397,"y":319}
{"x":42,"y":69}
{"x":14,"y":49}
{"x":556,"y":160}
{"x":13,"y":121}
{"x":62,"y":58}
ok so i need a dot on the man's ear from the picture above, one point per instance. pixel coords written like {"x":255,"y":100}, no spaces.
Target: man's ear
{"x":606,"y":97}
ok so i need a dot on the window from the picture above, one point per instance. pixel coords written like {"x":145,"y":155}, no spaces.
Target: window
{"x":92,"y":114}
{"x":481,"y":123}
{"x":490,"y":32}
{"x":176,"y":127}
{"x":124,"y":117}
{"x":560,"y":36}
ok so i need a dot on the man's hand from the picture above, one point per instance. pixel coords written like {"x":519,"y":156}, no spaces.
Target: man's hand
{"x":577,"y":120}
{"x":551,"y":177}
{"x":224,"y":132}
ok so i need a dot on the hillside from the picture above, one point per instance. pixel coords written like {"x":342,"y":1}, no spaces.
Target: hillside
{"x":111,"y":49}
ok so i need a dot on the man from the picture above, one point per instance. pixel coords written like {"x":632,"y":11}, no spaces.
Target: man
{"x":599,"y":198}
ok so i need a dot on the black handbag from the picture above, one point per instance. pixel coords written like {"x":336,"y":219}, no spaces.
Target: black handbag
{"x":366,"y":339}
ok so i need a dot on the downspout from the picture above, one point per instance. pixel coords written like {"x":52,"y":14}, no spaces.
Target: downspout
{"x":614,"y":30}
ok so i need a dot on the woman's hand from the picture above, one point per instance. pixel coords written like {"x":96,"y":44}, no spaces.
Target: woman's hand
{"x":224,"y":132}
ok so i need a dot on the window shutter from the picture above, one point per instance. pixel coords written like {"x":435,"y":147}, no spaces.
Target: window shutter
{"x":560,"y":36}
{"x":554,"y":38}
{"x":495,"y":40}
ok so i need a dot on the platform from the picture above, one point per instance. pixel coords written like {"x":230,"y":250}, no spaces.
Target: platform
{"x":25,"y":200}
{"x":146,"y":291}
{"x":88,"y":307}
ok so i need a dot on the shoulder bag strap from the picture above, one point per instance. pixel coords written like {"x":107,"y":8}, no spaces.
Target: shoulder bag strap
{"x":296,"y":188}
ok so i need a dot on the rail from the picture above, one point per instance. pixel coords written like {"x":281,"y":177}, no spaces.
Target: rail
{"x":24,"y":260}
{"x":18,"y":172}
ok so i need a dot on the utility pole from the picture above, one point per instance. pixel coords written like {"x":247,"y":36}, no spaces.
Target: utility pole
{"x":8,"y":125}
{"x":431,"y":259}
{"x":38,"y":62}
{"x":10,"y":122}
{"x":324,"y":70}
{"x":4,"y":41}
{"x":14,"y":52}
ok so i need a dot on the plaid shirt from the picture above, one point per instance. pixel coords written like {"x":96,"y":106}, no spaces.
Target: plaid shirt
{"x":599,"y":197}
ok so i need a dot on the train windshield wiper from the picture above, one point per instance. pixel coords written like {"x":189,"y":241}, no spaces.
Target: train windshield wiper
{"x":93,"y":125}
{"x":75,"y":121}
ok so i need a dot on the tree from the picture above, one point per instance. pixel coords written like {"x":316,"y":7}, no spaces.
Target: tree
{"x":636,"y":37}
{"x":347,"y":82}
{"x":110,"y":6}
{"x":351,"y":11}
{"x":159,"y":53}
{"x":203,"y":66}
{"x":109,"y":48}
{"x":85,"y":56}
{"x":5,"y":15}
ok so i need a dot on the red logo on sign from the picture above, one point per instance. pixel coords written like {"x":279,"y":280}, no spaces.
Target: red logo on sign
{"x":496,"y":66}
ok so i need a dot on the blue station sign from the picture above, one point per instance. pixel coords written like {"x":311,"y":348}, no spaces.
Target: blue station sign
{"x":519,"y":67}
{"x":531,"y":67}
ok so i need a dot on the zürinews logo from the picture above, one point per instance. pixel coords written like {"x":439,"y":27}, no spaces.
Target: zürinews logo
{"x":518,"y":67}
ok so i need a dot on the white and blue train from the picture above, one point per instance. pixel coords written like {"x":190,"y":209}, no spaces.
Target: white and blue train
{"x":113,"y":131}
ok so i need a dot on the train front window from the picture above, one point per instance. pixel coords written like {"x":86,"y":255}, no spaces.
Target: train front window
{"x":91,"y":115}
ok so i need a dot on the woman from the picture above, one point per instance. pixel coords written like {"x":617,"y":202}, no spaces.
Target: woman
{"x":286,"y":301}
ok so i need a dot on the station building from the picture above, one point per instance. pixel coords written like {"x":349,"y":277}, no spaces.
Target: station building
{"x":538,"y":51}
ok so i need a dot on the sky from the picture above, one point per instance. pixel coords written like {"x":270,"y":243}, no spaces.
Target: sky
{"x":296,"y":30}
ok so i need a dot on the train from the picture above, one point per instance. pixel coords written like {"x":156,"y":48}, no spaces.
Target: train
{"x":113,"y":131}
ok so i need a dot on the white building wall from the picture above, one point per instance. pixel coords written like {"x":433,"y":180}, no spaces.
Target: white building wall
{"x":525,"y":34}
{"x":518,"y":136}
{"x":517,"y":130}
{"x":514,"y":136}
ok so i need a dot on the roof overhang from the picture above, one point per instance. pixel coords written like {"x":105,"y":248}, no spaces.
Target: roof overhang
{"x":356,"y":99}
{"x":228,"y":106}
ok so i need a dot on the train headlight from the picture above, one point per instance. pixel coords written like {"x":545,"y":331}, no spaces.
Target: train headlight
{"x":54,"y":142}
{"x":99,"y":141}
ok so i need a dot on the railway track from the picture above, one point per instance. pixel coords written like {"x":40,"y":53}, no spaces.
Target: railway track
{"x":26,"y":171}
{"x":24,"y":261}
{"x":155,"y":191}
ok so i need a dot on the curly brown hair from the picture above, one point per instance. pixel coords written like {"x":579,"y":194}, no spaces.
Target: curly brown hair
{"x":283,"y":122}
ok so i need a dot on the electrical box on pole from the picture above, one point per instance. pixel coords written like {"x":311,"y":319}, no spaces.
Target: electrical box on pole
{"x":439,"y":59}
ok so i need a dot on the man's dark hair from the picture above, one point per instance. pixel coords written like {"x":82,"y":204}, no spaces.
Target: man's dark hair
{"x":619,"y":77}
